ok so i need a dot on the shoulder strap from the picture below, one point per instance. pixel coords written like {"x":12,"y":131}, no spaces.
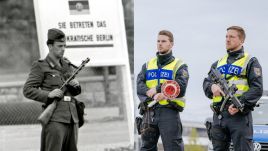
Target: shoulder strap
{"x":178,"y":64}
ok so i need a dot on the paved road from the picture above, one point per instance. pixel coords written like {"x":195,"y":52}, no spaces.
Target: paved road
{"x":96,"y":135}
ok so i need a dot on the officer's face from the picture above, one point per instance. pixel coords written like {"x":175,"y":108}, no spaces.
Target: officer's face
{"x":163,"y":44}
{"x":233,"y":42}
{"x":57,"y":49}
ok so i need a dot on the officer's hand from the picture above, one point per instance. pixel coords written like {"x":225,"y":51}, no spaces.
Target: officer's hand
{"x":160,"y":96}
{"x":74,"y":83}
{"x":232,"y":109}
{"x":150,"y":93}
{"x":56,"y":93}
{"x":216,"y":90}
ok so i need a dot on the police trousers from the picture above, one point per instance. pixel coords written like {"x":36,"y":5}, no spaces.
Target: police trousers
{"x":237,"y":128}
{"x":58,"y":136}
{"x":167,"y":124}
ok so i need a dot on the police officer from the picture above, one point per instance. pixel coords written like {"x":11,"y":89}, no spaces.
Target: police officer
{"x":243,"y":70}
{"x":43,"y":84}
{"x":164,"y":117}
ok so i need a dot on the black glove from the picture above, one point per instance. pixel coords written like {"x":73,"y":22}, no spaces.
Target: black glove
{"x":247,"y":109}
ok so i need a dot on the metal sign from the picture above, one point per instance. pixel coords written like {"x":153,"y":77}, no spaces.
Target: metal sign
{"x":93,"y":28}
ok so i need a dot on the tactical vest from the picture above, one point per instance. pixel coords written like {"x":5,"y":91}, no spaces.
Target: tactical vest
{"x":234,"y":73}
{"x":156,"y":76}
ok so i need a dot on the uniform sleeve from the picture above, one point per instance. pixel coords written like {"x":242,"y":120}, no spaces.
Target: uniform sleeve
{"x":182,"y":77}
{"x":70,"y":70}
{"x":255,"y":81}
{"x":32,"y":86}
{"x":141,"y":85}
{"x":74,"y":90}
{"x":207,"y":83}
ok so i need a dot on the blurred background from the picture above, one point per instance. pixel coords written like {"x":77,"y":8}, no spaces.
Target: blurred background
{"x":106,"y":126}
{"x":199,"y":29}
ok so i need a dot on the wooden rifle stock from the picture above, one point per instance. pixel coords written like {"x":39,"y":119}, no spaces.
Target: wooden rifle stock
{"x":47,"y":113}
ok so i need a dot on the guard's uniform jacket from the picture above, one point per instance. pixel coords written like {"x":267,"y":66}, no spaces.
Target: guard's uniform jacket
{"x":245,"y":72}
{"x":181,"y":77}
{"x":165,"y":119}
{"x":44,"y":77}
{"x":156,"y":76}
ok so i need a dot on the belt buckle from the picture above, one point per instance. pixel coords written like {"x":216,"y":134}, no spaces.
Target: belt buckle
{"x":67,"y":98}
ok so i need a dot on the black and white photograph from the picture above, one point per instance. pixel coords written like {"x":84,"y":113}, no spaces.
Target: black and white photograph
{"x":66,"y":75}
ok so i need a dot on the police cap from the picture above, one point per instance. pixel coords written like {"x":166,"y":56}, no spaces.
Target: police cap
{"x":54,"y":34}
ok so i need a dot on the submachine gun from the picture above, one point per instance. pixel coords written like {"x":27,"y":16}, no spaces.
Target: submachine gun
{"x":47,"y":113}
{"x":229,"y":91}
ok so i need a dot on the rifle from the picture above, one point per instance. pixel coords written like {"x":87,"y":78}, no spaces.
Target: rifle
{"x":47,"y":113}
{"x":228,"y":91}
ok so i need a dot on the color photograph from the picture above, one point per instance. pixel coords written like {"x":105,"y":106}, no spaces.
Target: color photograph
{"x":200,"y":33}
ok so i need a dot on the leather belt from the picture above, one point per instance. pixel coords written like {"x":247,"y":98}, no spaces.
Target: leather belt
{"x":67,"y":99}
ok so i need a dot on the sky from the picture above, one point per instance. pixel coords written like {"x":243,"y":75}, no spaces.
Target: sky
{"x":199,"y":29}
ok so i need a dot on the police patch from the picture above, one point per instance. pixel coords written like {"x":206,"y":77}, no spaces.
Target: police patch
{"x":159,"y":74}
{"x":185,"y":73}
{"x":257,"y":71}
{"x":230,"y":69}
